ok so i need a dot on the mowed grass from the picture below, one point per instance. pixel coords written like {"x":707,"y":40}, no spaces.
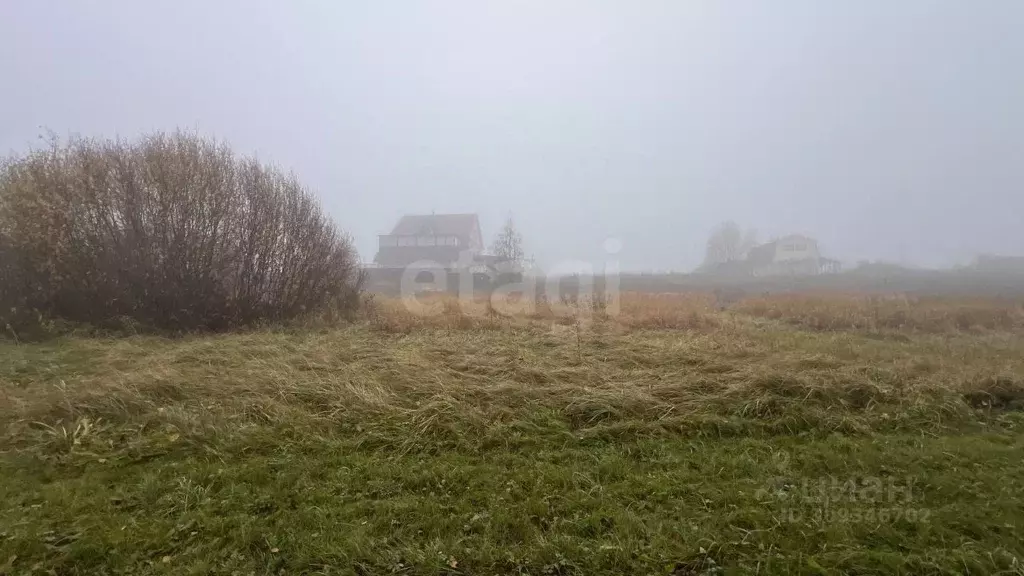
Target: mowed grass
{"x":672,"y":439}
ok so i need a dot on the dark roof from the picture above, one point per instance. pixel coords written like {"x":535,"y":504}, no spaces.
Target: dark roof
{"x":437,"y":225}
{"x":763,"y":254}
{"x":792,"y":237}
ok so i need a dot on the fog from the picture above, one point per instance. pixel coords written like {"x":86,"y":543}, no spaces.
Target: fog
{"x":886,"y":130}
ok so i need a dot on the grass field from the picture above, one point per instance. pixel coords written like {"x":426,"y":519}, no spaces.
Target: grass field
{"x":806,"y":435}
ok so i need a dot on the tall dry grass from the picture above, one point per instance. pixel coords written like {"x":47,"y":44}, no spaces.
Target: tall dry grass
{"x":461,"y":369}
{"x":839,"y":311}
{"x":703,"y":311}
{"x":662,"y":363}
{"x":669,"y":310}
{"x":633,"y":310}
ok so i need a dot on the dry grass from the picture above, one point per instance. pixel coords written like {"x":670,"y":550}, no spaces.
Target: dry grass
{"x":837,"y":311}
{"x":661,"y":357}
{"x":704,"y":311}
{"x":670,"y":311}
{"x":633,"y":310}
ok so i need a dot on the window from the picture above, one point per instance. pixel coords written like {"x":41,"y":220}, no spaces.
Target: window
{"x":425,"y":240}
{"x":406,"y":241}
{"x":386,"y":241}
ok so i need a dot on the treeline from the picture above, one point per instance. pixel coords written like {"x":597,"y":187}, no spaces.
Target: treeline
{"x":171,"y":232}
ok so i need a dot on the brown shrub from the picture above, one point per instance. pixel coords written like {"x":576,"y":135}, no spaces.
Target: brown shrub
{"x":173,"y":232}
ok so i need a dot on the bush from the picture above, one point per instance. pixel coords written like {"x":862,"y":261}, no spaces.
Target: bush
{"x":171,"y":232}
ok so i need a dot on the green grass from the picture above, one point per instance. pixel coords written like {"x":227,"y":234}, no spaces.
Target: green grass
{"x":743,"y":448}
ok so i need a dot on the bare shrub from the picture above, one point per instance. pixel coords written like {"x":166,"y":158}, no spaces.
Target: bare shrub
{"x":173,"y":231}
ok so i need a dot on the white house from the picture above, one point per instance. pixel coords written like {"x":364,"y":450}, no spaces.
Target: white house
{"x":794,"y":254}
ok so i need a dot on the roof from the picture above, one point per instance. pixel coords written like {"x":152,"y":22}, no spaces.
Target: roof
{"x":436,"y":225}
{"x":797,"y":237}
{"x":763,"y":254}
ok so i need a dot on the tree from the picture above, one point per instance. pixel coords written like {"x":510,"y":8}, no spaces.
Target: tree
{"x":508,"y":244}
{"x":725,"y":244}
{"x":749,"y":241}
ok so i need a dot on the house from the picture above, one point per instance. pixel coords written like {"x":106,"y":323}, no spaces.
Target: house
{"x":794,"y":254}
{"x":429,"y":240}
{"x":437,"y":249}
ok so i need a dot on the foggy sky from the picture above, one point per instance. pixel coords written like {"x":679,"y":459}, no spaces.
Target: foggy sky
{"x":886,"y":129}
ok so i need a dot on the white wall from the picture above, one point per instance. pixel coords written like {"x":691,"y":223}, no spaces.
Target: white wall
{"x":796,"y":248}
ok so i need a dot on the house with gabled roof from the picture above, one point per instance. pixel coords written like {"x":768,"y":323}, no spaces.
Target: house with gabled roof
{"x":790,"y":255}
{"x":436,"y":238}
{"x":793,"y":254}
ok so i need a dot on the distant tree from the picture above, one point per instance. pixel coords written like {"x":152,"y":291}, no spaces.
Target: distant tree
{"x":725,"y":244}
{"x":749,"y":241}
{"x":508,"y":244}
